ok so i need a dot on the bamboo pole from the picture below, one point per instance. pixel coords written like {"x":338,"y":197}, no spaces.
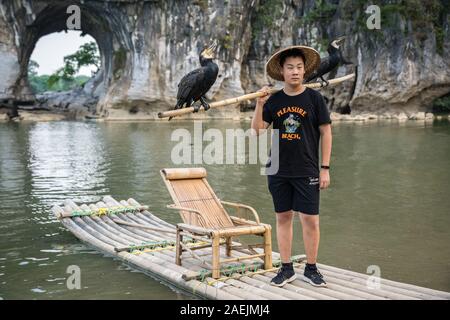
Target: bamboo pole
{"x":149,"y":215}
{"x":245,"y":97}
{"x":137,"y":232}
{"x":385,"y":291}
{"x":130,"y":257}
{"x":265,"y":285}
{"x":123,"y":230}
{"x":146,"y":227}
{"x":342,"y":284}
{"x":130,"y":219}
{"x":186,"y":248}
{"x":352,"y":292}
{"x":110,"y":229}
{"x":150,"y":264}
{"x":302,"y":287}
{"x":390,"y":285}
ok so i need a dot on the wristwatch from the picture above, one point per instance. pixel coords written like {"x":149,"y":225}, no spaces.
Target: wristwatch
{"x":325,"y":167}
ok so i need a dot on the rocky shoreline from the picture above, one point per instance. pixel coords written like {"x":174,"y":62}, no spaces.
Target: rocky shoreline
{"x":81,"y":115}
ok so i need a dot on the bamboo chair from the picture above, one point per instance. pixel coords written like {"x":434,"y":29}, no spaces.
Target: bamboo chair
{"x":203,"y":216}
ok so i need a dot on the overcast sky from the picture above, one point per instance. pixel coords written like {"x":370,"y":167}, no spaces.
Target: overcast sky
{"x":51,"y":49}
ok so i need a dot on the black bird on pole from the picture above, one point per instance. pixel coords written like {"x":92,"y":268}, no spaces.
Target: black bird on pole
{"x":331,"y":62}
{"x":196,"y":84}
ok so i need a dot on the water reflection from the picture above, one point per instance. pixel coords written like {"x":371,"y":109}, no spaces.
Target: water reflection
{"x":67,"y":158}
{"x":387,"y":205}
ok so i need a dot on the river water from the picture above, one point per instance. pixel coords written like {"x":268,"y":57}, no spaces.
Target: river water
{"x":388,"y":205}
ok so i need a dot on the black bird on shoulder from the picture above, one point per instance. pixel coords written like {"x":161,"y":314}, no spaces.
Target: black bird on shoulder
{"x":331,"y":62}
{"x":196,"y":84}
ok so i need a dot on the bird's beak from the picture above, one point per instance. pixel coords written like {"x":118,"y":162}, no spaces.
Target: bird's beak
{"x":340,"y":40}
{"x":211,"y":49}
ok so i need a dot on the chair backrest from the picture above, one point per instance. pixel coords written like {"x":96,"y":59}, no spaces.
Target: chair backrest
{"x":189,"y":188}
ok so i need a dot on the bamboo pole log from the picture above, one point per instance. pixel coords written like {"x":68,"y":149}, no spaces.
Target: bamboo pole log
{"x":126,"y":231}
{"x":195,"y":229}
{"x":146,"y":227}
{"x":215,"y":256}
{"x":268,"y":248}
{"x":99,"y":223}
{"x":186,"y":235}
{"x":242,"y":258}
{"x":156,"y":267}
{"x":247,"y":287}
{"x":127,"y":221}
{"x":114,"y":228}
{"x":306,"y":290}
{"x":249,"y":266}
{"x":357,"y":289}
{"x":132,"y":226}
{"x":117,"y":235}
{"x":95,"y":229}
{"x":195,"y":285}
{"x":250,"y":96}
{"x":384,"y":290}
{"x":388,"y":285}
{"x":162,"y":253}
{"x":329,"y":291}
{"x":80,"y":233}
{"x":81,"y":223}
{"x":167,"y":252}
{"x":90,"y":212}
{"x":350,"y":285}
{"x":112,"y":234}
{"x":341,"y":296}
{"x":204,"y":262}
{"x":129,"y":218}
{"x":254,"y":281}
{"x":149,"y":218}
{"x":161,"y":232}
{"x":138,"y":231}
{"x":256,"y":284}
{"x":241,"y":231}
{"x":242,"y":289}
{"x":245,"y":295}
{"x":343,"y":292}
{"x":150,"y":215}
{"x":385,"y":282}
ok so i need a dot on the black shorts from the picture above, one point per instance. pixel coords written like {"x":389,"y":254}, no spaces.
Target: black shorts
{"x":293,"y":193}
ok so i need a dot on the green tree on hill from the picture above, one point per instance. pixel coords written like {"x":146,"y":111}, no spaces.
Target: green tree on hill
{"x":65,"y":78}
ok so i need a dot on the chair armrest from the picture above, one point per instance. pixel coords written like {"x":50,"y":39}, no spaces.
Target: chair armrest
{"x":175,"y":207}
{"x":195,"y":229}
{"x":240,"y":205}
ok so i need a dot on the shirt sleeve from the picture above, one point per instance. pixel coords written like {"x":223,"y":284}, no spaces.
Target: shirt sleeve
{"x":267,"y":115}
{"x":323,"y":113}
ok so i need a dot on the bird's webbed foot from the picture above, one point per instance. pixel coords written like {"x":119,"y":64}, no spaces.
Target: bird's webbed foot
{"x":205,"y":105}
{"x":196,"y":107}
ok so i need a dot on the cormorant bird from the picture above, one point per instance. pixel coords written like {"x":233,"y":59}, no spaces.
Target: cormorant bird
{"x":331,"y":62}
{"x":195,"y":84}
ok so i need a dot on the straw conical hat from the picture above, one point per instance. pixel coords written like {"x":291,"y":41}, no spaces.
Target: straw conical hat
{"x":274,"y":69}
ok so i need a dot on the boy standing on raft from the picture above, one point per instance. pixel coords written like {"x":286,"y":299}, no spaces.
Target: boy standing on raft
{"x":302,"y":119}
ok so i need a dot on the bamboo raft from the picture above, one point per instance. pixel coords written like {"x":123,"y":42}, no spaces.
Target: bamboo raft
{"x":145,"y":242}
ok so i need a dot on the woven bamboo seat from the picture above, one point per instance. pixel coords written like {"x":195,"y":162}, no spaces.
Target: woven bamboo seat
{"x":203,"y":214}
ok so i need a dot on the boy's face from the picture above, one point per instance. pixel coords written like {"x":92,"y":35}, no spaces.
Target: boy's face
{"x":293,"y":71}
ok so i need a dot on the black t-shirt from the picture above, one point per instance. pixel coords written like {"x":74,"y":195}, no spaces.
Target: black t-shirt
{"x":298,"y":119}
